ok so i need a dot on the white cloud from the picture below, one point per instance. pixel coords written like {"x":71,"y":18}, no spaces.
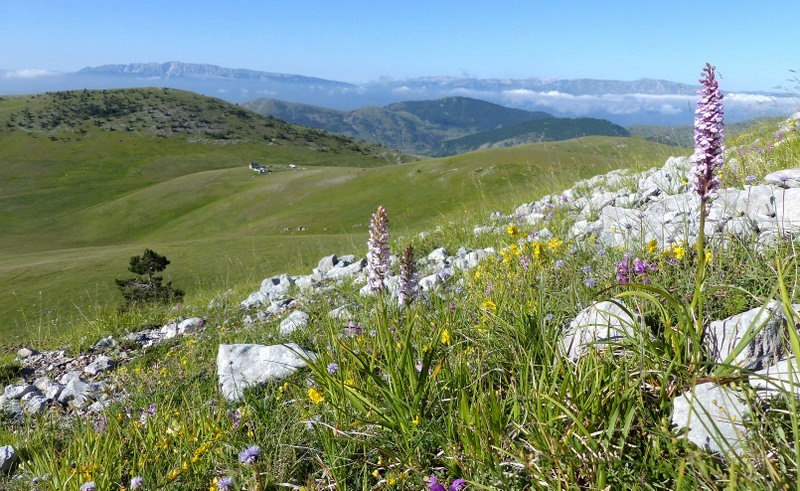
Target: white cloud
{"x":29,"y":73}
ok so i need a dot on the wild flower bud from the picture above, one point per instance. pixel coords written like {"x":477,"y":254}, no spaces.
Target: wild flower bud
{"x":378,"y":252}
{"x":709,"y":131}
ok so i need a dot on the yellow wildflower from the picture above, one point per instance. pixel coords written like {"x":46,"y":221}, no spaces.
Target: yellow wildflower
{"x":315,"y":396}
{"x":416,"y":421}
{"x":445,"y":339}
{"x":390,"y":480}
{"x":555,"y":244}
{"x":489,"y":305}
{"x":652,"y":246}
{"x":537,"y":251}
{"x":512,"y":230}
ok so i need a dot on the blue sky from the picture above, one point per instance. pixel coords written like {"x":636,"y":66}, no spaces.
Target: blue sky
{"x":753,"y":44}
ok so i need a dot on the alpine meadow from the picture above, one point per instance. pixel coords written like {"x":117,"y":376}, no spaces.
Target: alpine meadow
{"x":201,"y":297}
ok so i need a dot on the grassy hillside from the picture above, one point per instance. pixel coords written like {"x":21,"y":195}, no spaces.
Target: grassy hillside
{"x":683,"y":136}
{"x":540,"y":130}
{"x":469,"y":384}
{"x":79,"y":207}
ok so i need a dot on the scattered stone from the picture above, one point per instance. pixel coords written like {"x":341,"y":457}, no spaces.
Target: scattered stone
{"x":780,"y":378}
{"x":26,"y":352}
{"x":76,"y":392}
{"x":99,"y":365}
{"x":190,"y":324}
{"x":18,"y":390}
{"x":105,"y":343}
{"x":8,"y":457}
{"x":714,"y":416}
{"x":598,"y":326}
{"x":766,"y":348}
{"x":296,"y":320}
{"x":340,"y":313}
{"x":240,"y":366}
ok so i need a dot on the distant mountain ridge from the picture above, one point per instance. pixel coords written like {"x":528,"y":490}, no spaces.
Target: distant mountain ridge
{"x":177,"y":69}
{"x":644,"y":101}
{"x":413,"y":126}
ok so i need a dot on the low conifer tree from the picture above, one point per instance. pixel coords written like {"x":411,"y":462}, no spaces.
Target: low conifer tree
{"x":148,"y":287}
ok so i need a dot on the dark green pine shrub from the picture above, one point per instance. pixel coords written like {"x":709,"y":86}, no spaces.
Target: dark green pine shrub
{"x":148,"y":287}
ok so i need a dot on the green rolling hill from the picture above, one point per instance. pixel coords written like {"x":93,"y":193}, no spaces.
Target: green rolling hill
{"x":80,"y":198}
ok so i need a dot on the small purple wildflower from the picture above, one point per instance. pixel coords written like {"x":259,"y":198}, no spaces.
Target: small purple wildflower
{"x":526,"y":263}
{"x":419,"y":366}
{"x":709,"y":131}
{"x":353,"y":329}
{"x":225,"y":484}
{"x":590,"y":282}
{"x":332,"y":368}
{"x":88,"y":486}
{"x":100,"y":425}
{"x":433,"y":485}
{"x":564,"y":198}
{"x":152,"y":409}
{"x":628,"y":271}
{"x":586,"y":269}
{"x":750,"y":179}
{"x":458,"y":485}
{"x":558,"y":264}
{"x":623,"y":271}
{"x":378,"y":252}
{"x":137,"y":483}
{"x":549,"y":317}
{"x":250,"y":455}
{"x":235,"y":417}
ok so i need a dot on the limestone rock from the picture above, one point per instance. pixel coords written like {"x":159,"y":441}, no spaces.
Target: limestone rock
{"x":240,"y":366}
{"x":99,"y":365}
{"x":26,"y":352}
{"x":780,"y":378}
{"x":602,"y":323}
{"x":8,"y":456}
{"x":296,"y":320}
{"x":765,"y":349}
{"x":714,"y":416}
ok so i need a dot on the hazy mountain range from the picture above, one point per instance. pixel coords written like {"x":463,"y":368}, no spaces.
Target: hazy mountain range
{"x":438,"y":127}
{"x":643,"y":101}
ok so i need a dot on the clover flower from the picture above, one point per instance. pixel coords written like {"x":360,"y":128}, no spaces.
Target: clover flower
{"x":708,"y":134}
{"x":408,"y":284}
{"x":137,"y":483}
{"x":225,"y":484}
{"x":378,"y":252}
{"x":250,"y":455}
